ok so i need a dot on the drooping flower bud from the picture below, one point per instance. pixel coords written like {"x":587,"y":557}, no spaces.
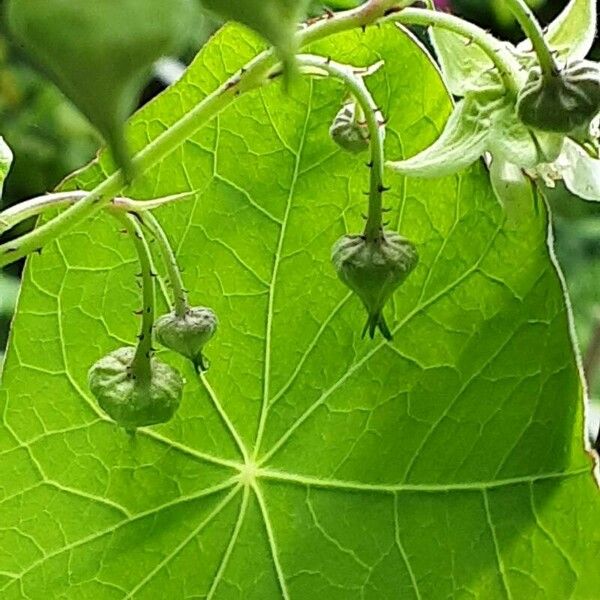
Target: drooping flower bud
{"x":347,"y":130}
{"x":189,"y":334}
{"x":563,"y":103}
{"x":374,"y":270}
{"x":131,"y":401}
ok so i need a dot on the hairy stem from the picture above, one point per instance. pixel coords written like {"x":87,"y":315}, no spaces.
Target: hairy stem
{"x":180,"y":298}
{"x":34,"y":207}
{"x":506,"y":65}
{"x":250,"y":77}
{"x":18,"y":213}
{"x":352,"y":78}
{"x":110,"y":187}
{"x":533,"y":30}
{"x":143,"y":353}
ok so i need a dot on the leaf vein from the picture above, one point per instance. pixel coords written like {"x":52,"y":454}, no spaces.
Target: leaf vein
{"x":393,"y":488}
{"x":230,"y":546}
{"x":114,"y":528}
{"x":354,"y":368}
{"x":276,"y":262}
{"x":165,"y":561}
{"x":272,"y":542}
{"x":402,"y":550}
{"x":497,"y":551}
{"x":286,"y":386}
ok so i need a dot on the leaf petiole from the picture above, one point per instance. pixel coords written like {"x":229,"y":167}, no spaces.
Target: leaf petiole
{"x":34,"y":207}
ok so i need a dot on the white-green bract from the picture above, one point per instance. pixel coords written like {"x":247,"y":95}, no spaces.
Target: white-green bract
{"x":485,"y":121}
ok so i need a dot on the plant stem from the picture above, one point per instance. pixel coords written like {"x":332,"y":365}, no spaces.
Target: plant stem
{"x":180,"y":298}
{"x":351,"y":77}
{"x":533,"y":30}
{"x":140,"y":365}
{"x":36,"y":206}
{"x":14,"y":215}
{"x":506,"y":65}
{"x":110,"y":187}
{"x":253,"y":75}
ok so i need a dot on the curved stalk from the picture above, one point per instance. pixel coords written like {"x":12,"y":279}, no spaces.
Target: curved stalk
{"x":34,"y":207}
{"x":140,"y":365}
{"x":180,"y":298}
{"x":253,"y":75}
{"x":18,"y":213}
{"x":350,"y":76}
{"x":506,"y":65}
{"x":533,"y":30}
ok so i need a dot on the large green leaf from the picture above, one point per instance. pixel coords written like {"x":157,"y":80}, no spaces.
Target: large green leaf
{"x":448,"y":464}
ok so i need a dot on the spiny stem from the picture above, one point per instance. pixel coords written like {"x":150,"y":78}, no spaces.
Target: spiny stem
{"x":34,"y":207}
{"x":140,"y":365}
{"x":355,"y":84}
{"x":506,"y":65}
{"x":253,"y":75}
{"x":533,"y":30}
{"x":180,"y":298}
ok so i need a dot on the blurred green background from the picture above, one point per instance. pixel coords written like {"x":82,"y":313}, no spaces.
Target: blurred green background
{"x":50,"y":139}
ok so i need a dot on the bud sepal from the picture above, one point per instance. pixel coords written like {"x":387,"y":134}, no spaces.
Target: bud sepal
{"x":187,"y":334}
{"x":374,"y":269}
{"x":565,"y":102}
{"x":349,"y":130}
{"x":133,"y":401}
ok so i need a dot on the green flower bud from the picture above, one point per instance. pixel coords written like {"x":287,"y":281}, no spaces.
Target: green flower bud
{"x":100,"y":54}
{"x":132,"y":402}
{"x":563,"y":103}
{"x":374,"y":270}
{"x":348,"y":132}
{"x":187,"y":335}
